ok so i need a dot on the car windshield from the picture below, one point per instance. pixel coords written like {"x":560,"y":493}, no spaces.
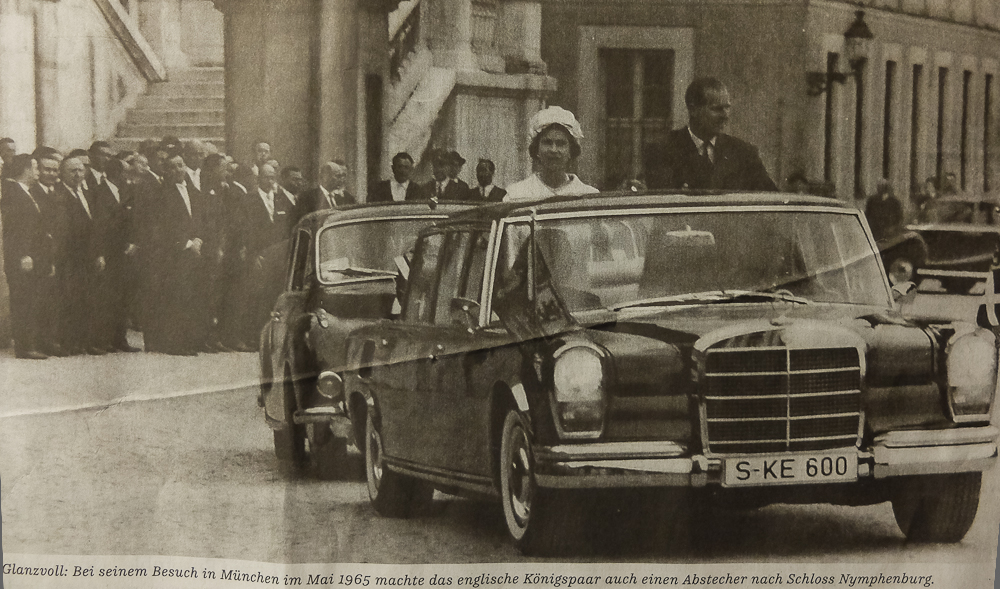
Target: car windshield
{"x":947,"y":210}
{"x":627,"y":261}
{"x":367,"y":248}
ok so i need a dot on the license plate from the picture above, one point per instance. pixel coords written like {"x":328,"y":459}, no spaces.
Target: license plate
{"x":789,"y":469}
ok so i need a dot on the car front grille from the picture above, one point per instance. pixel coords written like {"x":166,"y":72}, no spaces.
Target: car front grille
{"x":775,"y":399}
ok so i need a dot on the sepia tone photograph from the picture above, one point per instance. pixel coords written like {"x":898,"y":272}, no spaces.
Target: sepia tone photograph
{"x":581,"y":284}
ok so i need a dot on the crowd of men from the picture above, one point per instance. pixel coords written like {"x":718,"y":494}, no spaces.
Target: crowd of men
{"x":172,"y":240}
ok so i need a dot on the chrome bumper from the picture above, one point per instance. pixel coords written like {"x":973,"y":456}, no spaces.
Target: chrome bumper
{"x":668,"y":464}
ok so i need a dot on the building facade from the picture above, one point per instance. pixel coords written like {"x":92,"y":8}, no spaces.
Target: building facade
{"x":927,"y":88}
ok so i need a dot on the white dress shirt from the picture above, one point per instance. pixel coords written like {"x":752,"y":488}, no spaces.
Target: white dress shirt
{"x":398,"y":190}
{"x":182,"y":188}
{"x":268,"y":198}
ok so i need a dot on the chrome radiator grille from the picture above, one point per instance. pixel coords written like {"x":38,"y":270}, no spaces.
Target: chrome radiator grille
{"x":774,"y":399}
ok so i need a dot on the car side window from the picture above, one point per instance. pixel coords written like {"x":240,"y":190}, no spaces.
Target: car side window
{"x":462,"y":264}
{"x":302,"y":261}
{"x":422,"y":293}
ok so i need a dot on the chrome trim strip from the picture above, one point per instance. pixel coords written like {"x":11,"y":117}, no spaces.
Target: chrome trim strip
{"x":780,"y":372}
{"x":317,"y":415}
{"x":950,"y":273}
{"x":942,"y":437}
{"x":620,"y":480}
{"x":782,"y":418}
{"x":775,"y":441}
{"x":445,"y":477}
{"x":795,"y":396}
{"x":610,"y":451}
{"x":890,"y":462}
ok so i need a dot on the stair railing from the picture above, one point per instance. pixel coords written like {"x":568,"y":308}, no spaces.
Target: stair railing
{"x":405,"y":39}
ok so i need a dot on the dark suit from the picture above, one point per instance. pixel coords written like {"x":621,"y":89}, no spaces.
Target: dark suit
{"x":258,"y":234}
{"x":495,"y":194}
{"x":80,"y":254}
{"x":113,"y":230}
{"x":737,"y":165}
{"x":27,"y":234}
{"x":177,"y":322}
{"x":382,"y":192}
{"x":454,"y":190}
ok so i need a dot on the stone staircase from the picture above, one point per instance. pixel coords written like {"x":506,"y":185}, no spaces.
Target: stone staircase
{"x":190,"y":105}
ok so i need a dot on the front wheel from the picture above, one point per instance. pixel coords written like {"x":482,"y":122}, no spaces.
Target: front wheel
{"x":327,"y":452}
{"x":937,"y":508}
{"x":392,"y":494}
{"x":290,"y":442}
{"x":540,"y":521}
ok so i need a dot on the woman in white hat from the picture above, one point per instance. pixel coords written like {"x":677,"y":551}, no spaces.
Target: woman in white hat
{"x":555,"y":136}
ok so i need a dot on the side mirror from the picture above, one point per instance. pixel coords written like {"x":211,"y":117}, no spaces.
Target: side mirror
{"x":464,"y":312}
{"x":904,"y":293}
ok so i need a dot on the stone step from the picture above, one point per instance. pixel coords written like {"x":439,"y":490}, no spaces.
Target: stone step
{"x":180,"y":130}
{"x":149,"y":116}
{"x":198,"y":74}
{"x":208,"y":89}
{"x":132,"y":143}
{"x":167,"y":102}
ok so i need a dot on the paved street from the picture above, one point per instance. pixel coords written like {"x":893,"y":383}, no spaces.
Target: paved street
{"x":150,"y":454}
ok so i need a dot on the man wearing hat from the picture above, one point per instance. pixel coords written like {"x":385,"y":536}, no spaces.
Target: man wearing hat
{"x":442,"y":186}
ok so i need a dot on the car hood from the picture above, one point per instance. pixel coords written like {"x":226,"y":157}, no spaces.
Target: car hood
{"x":665,"y":345}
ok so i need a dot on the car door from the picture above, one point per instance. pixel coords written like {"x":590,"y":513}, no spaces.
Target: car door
{"x":287,"y":318}
{"x":458,"y":392}
{"x":400,"y":358}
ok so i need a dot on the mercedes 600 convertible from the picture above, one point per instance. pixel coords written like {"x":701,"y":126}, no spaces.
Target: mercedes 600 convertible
{"x":744,"y":346}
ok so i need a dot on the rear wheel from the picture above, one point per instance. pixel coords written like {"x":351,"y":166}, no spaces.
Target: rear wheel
{"x":539,"y":521}
{"x":392,"y":494}
{"x":937,"y":508}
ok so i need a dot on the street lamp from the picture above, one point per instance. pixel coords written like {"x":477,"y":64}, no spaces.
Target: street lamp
{"x":858,"y":39}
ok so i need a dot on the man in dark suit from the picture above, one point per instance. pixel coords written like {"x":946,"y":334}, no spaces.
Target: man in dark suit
{"x":262,"y":226}
{"x":29,"y":257}
{"x":82,"y":259}
{"x":290,"y":189}
{"x":113,"y":226}
{"x":331,"y":192}
{"x":7,"y":150}
{"x":486,"y":191}
{"x":54,"y":213}
{"x":442,"y":186}
{"x":700,"y":156}
{"x":400,"y":187}
{"x":178,"y":320}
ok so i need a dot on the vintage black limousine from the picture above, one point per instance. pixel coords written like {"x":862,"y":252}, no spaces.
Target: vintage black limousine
{"x":341,"y":274}
{"x":748,"y":345}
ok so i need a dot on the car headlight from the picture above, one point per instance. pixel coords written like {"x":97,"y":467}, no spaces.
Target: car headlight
{"x":578,"y":391}
{"x":330,"y":385}
{"x":972,"y":374}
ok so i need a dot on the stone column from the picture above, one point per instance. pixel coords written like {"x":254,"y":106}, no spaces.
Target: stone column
{"x":340,"y":81}
{"x":270,"y":73}
{"x":47,"y":74}
{"x":160,"y":24}
{"x":520,"y":36}
{"x":450,"y":38}
{"x":17,"y":75}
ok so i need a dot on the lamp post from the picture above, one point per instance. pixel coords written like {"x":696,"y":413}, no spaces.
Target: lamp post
{"x":858,"y":39}
{"x":857,"y":44}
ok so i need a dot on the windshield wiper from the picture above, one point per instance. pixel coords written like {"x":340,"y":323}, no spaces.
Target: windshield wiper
{"x":715,"y":296}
